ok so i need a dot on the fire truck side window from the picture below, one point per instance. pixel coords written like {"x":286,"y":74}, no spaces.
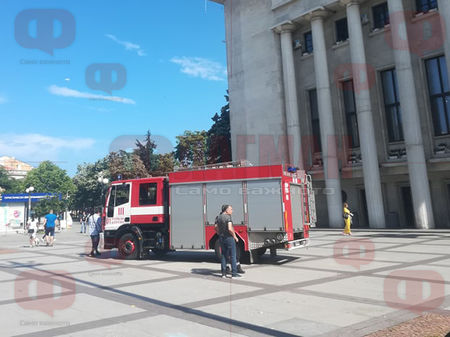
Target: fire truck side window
{"x":122,"y":194}
{"x":112,"y":198}
{"x":147,"y":194}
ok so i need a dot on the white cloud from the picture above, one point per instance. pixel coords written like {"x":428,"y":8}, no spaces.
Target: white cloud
{"x":128,"y":45}
{"x":66,"y":92}
{"x":34,"y":147}
{"x":200,"y":67}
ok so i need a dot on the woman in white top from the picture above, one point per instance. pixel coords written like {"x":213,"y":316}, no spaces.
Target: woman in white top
{"x":32,"y":229}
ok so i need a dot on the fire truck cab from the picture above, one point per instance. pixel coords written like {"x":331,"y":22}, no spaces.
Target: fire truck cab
{"x":273,"y":207}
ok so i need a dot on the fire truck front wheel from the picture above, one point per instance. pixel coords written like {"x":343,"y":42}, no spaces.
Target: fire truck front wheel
{"x":128,"y":247}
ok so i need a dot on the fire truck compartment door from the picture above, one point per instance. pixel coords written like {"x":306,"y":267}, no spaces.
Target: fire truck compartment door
{"x":218,"y":194}
{"x":296,"y":207}
{"x":187,"y":216}
{"x":265,"y":205}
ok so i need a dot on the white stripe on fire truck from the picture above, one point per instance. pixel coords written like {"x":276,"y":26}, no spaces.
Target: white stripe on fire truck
{"x":147,"y":210}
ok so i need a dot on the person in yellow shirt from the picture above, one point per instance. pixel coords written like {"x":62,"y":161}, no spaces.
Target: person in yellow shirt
{"x":347,"y":219}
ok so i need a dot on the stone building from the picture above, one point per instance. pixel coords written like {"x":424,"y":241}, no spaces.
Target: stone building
{"x":355,"y":92}
{"x":15,"y":168}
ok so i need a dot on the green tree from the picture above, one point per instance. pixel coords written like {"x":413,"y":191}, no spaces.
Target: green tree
{"x":166,"y":163}
{"x":49,"y":178}
{"x":127,"y":165}
{"x":219,"y":136}
{"x":88,"y":189}
{"x":145,"y":151}
{"x":8,"y":184}
{"x":191,"y":148}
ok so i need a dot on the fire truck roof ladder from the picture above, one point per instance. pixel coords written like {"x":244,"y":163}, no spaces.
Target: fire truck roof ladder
{"x":241,"y":163}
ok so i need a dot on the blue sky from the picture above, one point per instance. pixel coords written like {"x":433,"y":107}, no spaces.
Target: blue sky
{"x":173,"y":52}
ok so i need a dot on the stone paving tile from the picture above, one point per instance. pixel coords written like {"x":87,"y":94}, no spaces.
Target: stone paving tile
{"x":421,"y":249}
{"x":156,"y":326}
{"x":333,"y":304}
{"x":117,"y":276}
{"x":273,"y":308}
{"x":402,"y":256}
{"x":29,"y":317}
{"x":187,"y":290}
{"x":425,"y":272}
{"x":347,"y":264}
{"x":428,"y":325}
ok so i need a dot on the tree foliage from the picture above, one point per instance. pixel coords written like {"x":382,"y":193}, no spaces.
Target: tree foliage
{"x":126,"y":165}
{"x":191,"y":148}
{"x":146,"y":153}
{"x":49,"y":178}
{"x":8,"y":184}
{"x":89,"y":190}
{"x":219,"y":136}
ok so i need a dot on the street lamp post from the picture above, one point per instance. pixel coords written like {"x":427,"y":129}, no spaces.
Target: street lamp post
{"x":28,"y":190}
{"x":103,"y":182}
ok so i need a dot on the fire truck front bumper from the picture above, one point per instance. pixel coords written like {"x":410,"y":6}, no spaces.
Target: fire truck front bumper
{"x":295,"y":244}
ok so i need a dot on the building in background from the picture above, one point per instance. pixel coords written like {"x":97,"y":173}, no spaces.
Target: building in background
{"x":355,"y":92}
{"x":16,"y":169}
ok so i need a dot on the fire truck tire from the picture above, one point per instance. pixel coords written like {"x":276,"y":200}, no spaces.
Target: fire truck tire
{"x":239,"y":250}
{"x":128,"y":247}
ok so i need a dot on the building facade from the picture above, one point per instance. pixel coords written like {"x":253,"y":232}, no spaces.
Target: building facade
{"x":355,"y":92}
{"x":15,"y":168}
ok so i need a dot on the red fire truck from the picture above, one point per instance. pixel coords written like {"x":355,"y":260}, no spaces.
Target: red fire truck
{"x":273,"y":207}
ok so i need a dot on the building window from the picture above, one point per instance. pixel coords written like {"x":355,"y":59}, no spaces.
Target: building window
{"x":314,"y":107}
{"x":380,"y":15}
{"x":308,"y":43}
{"x":425,"y":5}
{"x":350,"y":113}
{"x":439,"y":94}
{"x":341,"y":30}
{"x":392,"y":105}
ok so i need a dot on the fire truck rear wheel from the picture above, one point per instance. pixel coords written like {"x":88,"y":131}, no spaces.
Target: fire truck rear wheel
{"x":218,"y":250}
{"x":128,"y":247}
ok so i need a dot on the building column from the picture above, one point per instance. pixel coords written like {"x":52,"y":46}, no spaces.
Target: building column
{"x":327,"y":130}
{"x":417,"y":165}
{"x":369,"y":155}
{"x":290,"y":96}
{"x":444,"y":12}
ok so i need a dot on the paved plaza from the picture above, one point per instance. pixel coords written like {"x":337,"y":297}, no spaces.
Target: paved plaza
{"x":339,"y":286}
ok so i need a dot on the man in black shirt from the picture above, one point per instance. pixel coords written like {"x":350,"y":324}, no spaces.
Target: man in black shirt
{"x":228,"y":239}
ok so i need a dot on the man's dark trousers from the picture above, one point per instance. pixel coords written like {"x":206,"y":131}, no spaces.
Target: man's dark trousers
{"x":228,"y":246}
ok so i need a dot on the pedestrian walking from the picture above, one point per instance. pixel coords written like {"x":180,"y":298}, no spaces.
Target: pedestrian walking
{"x":228,"y":240}
{"x":347,"y":219}
{"x":49,"y":225}
{"x":83,"y":219}
{"x":32,"y":231}
{"x":95,"y":227}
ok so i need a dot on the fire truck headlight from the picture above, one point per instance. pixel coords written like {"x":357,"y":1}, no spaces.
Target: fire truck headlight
{"x":267,"y":242}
